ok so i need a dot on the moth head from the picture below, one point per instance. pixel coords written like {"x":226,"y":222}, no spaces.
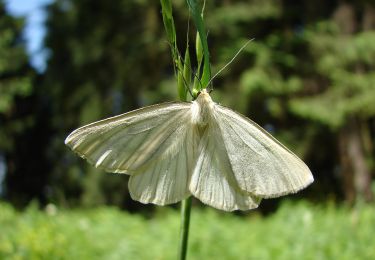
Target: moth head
{"x":203,"y":97}
{"x":204,"y":92}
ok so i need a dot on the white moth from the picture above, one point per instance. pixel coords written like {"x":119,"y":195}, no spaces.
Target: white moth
{"x":174,"y":150}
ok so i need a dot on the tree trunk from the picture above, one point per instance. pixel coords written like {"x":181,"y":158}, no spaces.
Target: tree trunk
{"x":355,"y":170}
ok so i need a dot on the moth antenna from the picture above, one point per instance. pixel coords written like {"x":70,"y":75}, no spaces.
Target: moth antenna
{"x":234,"y":57}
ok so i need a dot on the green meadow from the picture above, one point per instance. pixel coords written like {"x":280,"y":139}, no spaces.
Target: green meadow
{"x":294,"y":231}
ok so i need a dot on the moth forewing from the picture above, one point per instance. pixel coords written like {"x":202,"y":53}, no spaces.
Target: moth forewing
{"x":126,"y":142}
{"x":261,"y":164}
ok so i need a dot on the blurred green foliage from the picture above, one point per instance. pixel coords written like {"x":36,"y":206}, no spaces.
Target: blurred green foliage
{"x":15,"y":78}
{"x":295,"y":231}
{"x":347,"y":63}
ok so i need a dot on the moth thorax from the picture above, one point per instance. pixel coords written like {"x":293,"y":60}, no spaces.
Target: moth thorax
{"x":202,"y":109}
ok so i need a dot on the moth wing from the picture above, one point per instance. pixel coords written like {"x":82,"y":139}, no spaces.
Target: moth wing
{"x":261,"y":164}
{"x":128,"y":142}
{"x":213,"y":180}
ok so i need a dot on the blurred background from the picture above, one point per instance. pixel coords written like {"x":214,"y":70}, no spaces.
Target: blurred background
{"x":308,"y":78}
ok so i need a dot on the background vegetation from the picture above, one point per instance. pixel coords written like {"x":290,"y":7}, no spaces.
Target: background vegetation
{"x":311,"y":232}
{"x":308,"y":78}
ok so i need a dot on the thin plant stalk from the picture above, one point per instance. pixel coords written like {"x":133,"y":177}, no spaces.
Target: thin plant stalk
{"x":185,"y":222}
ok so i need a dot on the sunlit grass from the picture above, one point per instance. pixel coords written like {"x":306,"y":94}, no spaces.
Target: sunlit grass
{"x":295,"y":231}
